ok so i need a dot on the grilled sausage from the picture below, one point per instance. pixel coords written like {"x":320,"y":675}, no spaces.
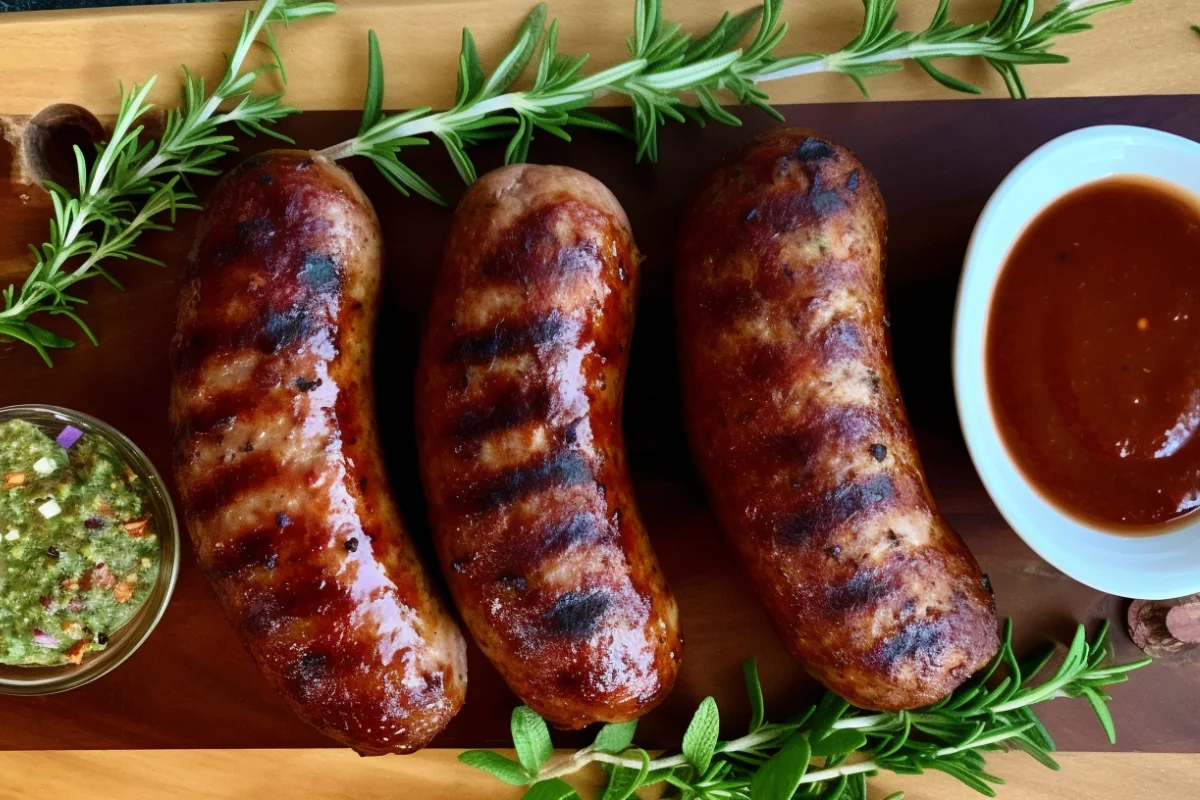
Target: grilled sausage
{"x":798,"y":429}
{"x":278,"y":463}
{"x":519,"y":387}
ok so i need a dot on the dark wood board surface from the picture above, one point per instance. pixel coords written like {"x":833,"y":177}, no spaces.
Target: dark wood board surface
{"x":192,"y":686}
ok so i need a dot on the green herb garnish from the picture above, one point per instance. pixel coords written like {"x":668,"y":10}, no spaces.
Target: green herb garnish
{"x":774,"y":761}
{"x":131,"y":184}
{"x":667,"y":65}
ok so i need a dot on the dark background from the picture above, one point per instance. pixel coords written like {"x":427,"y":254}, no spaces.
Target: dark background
{"x":47,"y":5}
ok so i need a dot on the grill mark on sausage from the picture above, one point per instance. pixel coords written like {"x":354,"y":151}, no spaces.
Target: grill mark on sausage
{"x":813,"y":149}
{"x":837,"y":506}
{"x":284,"y":328}
{"x":582,"y":528}
{"x":513,"y":406}
{"x":841,"y":341}
{"x":297,"y":597}
{"x":864,"y":589}
{"x":530,"y":250}
{"x":320,"y":272}
{"x":802,"y":447}
{"x":269,"y":331}
{"x":576,"y":614}
{"x":560,"y":468}
{"x":825,"y":200}
{"x":247,"y":237}
{"x":253,"y":549}
{"x":918,"y":637}
{"x":220,"y":411}
{"x":228,"y":481}
{"x":505,"y":339}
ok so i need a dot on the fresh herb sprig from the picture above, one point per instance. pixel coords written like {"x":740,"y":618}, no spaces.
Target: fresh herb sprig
{"x":131,"y":185}
{"x":672,"y":75}
{"x":774,"y":761}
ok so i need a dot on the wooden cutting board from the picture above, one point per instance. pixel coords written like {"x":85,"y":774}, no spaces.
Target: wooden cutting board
{"x":191,"y":686}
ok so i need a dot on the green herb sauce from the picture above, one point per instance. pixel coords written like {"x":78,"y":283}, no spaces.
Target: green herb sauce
{"x":79,"y":551}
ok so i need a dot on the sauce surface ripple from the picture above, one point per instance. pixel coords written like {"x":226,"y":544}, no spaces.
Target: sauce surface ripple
{"x":1093,"y":353}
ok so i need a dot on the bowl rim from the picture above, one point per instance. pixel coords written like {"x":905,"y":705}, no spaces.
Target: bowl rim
{"x":82,"y":675}
{"x":978,"y":421}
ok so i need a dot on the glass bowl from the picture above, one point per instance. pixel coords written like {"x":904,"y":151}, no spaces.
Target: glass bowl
{"x":38,"y":680}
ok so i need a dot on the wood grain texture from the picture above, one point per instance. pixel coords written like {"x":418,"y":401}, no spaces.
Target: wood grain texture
{"x":79,"y":56}
{"x":192,"y":686}
{"x":436,"y":775}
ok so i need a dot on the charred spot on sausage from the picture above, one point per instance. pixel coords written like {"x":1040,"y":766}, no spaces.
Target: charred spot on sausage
{"x":284,"y":328}
{"x":512,"y":407}
{"x":504,"y":340}
{"x":825,"y":201}
{"x":576,"y":614}
{"x":306,"y":384}
{"x":863,"y":589}
{"x":836,"y":507}
{"x":878,"y":452}
{"x":511,"y":581}
{"x":249,"y":230}
{"x":561,"y":468}
{"x":311,"y":666}
{"x":813,"y":149}
{"x":256,"y":549}
{"x":579,"y":529}
{"x":915,"y":639}
{"x":320,"y":272}
{"x":228,"y":481}
{"x":351,"y":544}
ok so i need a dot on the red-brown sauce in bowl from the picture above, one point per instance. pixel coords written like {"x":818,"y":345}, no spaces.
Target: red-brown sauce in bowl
{"x":1093,"y":353}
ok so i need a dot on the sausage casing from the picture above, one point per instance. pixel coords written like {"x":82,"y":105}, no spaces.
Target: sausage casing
{"x":278,"y":463}
{"x":518,"y":414}
{"x":798,"y":429}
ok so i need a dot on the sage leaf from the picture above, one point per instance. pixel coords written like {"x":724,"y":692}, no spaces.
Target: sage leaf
{"x":496,"y":765}
{"x":779,"y":778}
{"x":553,"y":789}
{"x":615,"y":737}
{"x":625,"y":781}
{"x":700,"y":740}
{"x":531,"y":737}
{"x":839,"y":743}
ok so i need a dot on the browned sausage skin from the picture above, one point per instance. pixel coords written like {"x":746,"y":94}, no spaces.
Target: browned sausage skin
{"x":278,"y":465}
{"x":518,"y":404}
{"x":798,"y":429}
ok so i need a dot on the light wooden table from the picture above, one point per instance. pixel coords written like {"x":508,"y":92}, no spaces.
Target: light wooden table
{"x":78,"y":57}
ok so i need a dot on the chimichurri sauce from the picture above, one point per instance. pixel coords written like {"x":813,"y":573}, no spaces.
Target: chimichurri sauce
{"x":79,"y":550}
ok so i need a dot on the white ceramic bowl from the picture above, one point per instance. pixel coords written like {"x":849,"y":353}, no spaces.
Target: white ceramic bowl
{"x":1151,"y":567}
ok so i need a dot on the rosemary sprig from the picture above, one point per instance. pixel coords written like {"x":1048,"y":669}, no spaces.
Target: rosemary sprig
{"x":131,"y":184}
{"x":672,"y":75}
{"x":774,"y":761}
